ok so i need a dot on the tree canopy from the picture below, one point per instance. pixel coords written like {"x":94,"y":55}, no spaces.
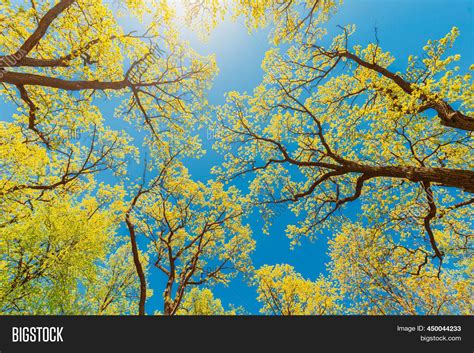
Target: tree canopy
{"x":379,"y":157}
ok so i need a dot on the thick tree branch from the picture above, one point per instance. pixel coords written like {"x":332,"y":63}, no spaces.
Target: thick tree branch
{"x":22,"y":79}
{"x":448,"y":115}
{"x":427,"y":220}
{"x":458,"y":178}
{"x":136,"y":255}
{"x":36,"y":36}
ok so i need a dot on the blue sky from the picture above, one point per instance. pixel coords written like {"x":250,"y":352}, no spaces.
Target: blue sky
{"x":403,"y":27}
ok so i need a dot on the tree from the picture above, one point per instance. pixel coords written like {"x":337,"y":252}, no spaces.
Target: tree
{"x":59,"y":253}
{"x":61,"y":61}
{"x":377,"y":276}
{"x":283,"y":291}
{"x":194,"y":232}
{"x":67,"y":57}
{"x":114,"y":291}
{"x":202,"y":302}
{"x":318,"y":139}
